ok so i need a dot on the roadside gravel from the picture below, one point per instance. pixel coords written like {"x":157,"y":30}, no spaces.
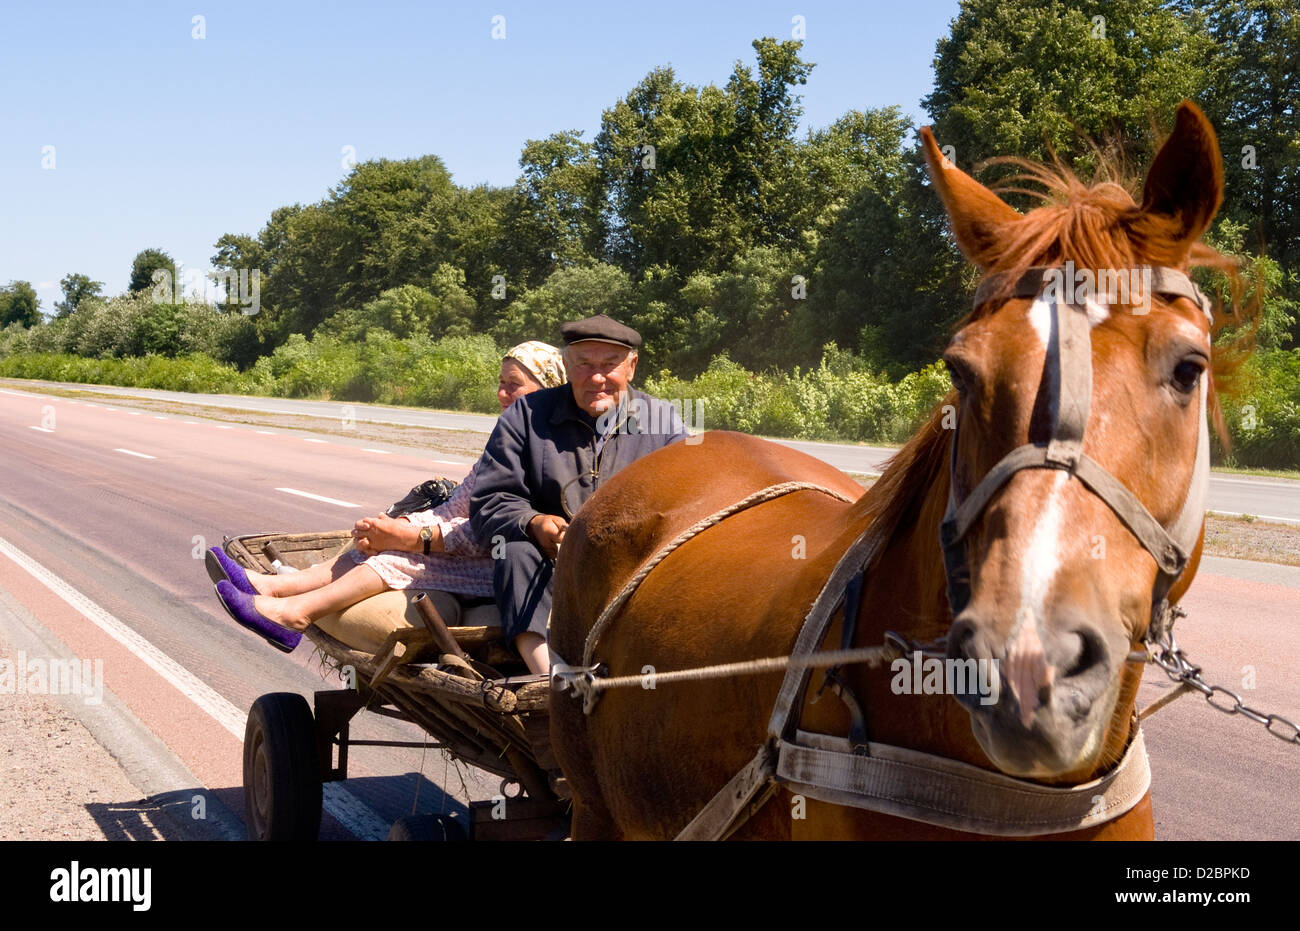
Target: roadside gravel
{"x":56,"y":781}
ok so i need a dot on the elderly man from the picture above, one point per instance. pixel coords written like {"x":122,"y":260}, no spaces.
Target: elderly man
{"x":548,"y":454}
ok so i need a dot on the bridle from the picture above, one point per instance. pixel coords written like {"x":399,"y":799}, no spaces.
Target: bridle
{"x":911,"y":784}
{"x":1069,"y":359}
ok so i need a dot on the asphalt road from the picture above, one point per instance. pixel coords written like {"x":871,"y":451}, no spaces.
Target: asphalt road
{"x":105,"y":513}
{"x":1265,"y":498}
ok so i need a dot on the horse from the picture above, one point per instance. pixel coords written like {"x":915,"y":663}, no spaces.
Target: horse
{"x":1052,"y":581}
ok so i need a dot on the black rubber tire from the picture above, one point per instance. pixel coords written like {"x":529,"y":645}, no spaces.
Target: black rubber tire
{"x":436,"y":828}
{"x":282,"y":774}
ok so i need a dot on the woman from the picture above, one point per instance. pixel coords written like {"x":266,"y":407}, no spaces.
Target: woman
{"x":430,"y":549}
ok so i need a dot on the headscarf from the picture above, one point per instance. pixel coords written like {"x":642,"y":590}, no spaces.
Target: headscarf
{"x":542,"y":360}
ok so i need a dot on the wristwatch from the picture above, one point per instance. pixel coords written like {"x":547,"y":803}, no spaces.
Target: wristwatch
{"x":426,"y":534}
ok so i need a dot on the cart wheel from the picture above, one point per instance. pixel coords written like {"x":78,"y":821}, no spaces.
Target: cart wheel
{"x":428,"y":828}
{"x":282,"y":775}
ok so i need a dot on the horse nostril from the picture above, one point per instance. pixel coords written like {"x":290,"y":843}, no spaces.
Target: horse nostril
{"x":965,"y":641}
{"x":1089,"y":654}
{"x":959,"y":637}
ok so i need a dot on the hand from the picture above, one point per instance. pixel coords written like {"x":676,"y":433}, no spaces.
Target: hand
{"x":548,"y":531}
{"x":380,"y":534}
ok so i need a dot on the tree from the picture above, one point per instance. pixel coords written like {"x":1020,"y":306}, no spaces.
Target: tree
{"x":691,"y":177}
{"x":553,"y":217}
{"x":569,"y":294}
{"x":1254,"y":103}
{"x":76,"y":288}
{"x":19,"y":304}
{"x":1029,"y":77}
{"x":147,"y":262}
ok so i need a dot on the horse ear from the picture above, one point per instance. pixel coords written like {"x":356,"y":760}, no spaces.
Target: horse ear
{"x":979,"y":217}
{"x":1184,"y":187}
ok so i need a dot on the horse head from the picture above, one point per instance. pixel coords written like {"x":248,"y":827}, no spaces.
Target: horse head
{"x":1084,"y":366}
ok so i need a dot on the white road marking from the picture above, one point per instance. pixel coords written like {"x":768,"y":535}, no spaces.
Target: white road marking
{"x":350,"y":811}
{"x":308,"y":439}
{"x":268,"y":432}
{"x":133,"y":453}
{"x":377,"y":452}
{"x":1255,"y":483}
{"x":308,"y":494}
{"x":445,"y":462}
{"x":159,"y":417}
{"x":223,"y":426}
{"x":1285,"y":520}
{"x":18,"y":394}
{"x":42,"y":429}
{"x":134,"y":413}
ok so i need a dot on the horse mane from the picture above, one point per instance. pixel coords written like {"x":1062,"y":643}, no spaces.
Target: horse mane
{"x":1092,"y":226}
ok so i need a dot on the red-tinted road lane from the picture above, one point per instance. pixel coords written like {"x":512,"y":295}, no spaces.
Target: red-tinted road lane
{"x":122,"y":530}
{"x":129,"y":533}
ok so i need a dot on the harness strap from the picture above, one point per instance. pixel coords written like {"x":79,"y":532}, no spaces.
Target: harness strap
{"x":951,"y":794}
{"x":758,"y":497}
{"x":717,"y":818}
{"x":721,"y":811}
{"x":1167,"y":281}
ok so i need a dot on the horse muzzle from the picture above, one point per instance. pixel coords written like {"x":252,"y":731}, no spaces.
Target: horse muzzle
{"x":1056,"y":690}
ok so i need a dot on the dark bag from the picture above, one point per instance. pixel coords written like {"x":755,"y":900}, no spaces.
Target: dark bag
{"x":423,"y":496}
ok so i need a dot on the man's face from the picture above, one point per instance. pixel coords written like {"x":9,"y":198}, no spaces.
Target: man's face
{"x":599,"y":373}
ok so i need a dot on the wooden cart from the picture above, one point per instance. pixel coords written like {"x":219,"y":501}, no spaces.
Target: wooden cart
{"x":471,"y":693}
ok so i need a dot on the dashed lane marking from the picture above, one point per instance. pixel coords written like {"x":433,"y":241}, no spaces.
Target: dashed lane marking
{"x":308,"y":494}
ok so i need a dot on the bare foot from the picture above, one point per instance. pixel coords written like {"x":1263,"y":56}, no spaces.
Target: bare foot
{"x":261,"y":582}
{"x":275,"y":610}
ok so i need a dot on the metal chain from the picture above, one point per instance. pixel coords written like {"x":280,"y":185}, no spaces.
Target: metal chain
{"x":1169,"y":656}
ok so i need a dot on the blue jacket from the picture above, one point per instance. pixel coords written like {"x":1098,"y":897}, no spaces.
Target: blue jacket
{"x":544,"y":455}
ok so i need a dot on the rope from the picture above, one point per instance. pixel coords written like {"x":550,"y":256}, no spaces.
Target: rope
{"x":872,"y":656}
{"x":758,"y":497}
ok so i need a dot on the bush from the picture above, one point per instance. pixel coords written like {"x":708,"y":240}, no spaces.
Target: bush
{"x":1263,"y":417}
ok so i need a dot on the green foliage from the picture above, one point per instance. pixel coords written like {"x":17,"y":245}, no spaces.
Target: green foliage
{"x":143,"y":266}
{"x":1265,"y":283}
{"x":840,"y":399}
{"x":1029,"y":77}
{"x":19,"y":304}
{"x":568,"y":294}
{"x":76,"y":288}
{"x":410,"y":310}
{"x":455,"y":372}
{"x":1252,"y":100}
{"x":553,"y":214}
{"x":1263,"y":417}
{"x":197,"y":373}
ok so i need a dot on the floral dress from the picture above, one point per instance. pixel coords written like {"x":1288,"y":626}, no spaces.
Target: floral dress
{"x":464,"y":569}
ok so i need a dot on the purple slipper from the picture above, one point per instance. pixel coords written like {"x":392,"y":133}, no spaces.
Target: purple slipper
{"x":239,"y":605}
{"x":222,"y":568}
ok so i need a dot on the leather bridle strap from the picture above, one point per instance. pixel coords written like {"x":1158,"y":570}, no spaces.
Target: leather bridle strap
{"x":1169,"y":282}
{"x":1069,"y":370}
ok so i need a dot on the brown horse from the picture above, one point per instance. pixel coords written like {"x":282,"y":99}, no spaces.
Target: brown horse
{"x":1059,"y":589}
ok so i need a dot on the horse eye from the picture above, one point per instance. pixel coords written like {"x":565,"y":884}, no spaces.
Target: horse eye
{"x":958,"y":374}
{"x":1187,"y":373}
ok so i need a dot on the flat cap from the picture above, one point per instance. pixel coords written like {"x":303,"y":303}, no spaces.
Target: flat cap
{"x":600,"y":327}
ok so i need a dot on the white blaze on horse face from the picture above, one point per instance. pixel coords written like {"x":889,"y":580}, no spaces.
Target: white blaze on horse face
{"x":1040,"y":317}
{"x":1026,"y":663}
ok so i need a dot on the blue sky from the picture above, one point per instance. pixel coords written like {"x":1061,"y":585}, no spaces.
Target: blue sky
{"x":162,"y":139}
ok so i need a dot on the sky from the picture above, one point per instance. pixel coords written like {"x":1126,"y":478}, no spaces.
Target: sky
{"x":130,"y":125}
